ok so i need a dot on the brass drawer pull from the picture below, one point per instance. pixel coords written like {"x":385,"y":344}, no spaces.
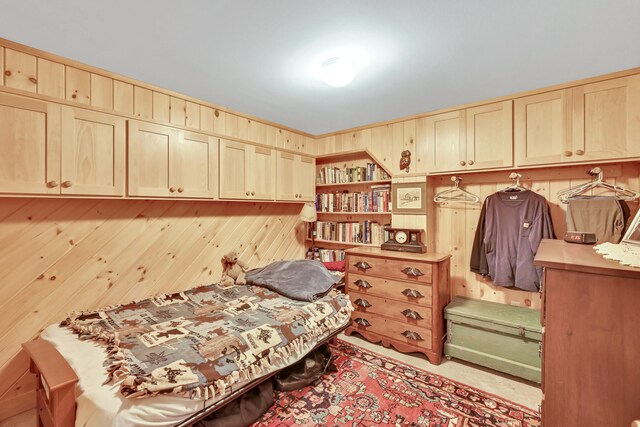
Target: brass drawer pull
{"x":362,"y":322}
{"x":412,"y":293}
{"x":362,"y":265}
{"x":362,"y":303}
{"x":410,"y":314}
{"x":412,"y":335}
{"x":363,"y":284}
{"x":413,"y":272}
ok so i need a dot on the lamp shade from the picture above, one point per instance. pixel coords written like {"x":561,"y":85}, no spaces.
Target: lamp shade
{"x":308,"y":212}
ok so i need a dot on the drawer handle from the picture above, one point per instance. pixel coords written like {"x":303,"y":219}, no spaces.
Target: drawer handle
{"x":413,"y":272}
{"x":362,"y":322}
{"x":362,"y":265}
{"x":410,"y":314}
{"x":412,"y":335}
{"x":363,"y":284}
{"x":412,"y":293}
{"x":362,"y":303}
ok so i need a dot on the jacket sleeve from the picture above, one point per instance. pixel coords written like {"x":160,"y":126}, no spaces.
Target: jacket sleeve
{"x":478,"y":263}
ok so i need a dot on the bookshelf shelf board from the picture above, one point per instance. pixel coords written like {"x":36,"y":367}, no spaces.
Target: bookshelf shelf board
{"x":354,"y":213}
{"x":338,"y":242}
{"x":341,"y":184}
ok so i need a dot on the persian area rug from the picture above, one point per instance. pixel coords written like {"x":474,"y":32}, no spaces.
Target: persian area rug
{"x":370,"y":390}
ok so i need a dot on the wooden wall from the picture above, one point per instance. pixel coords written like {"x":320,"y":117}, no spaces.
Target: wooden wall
{"x":59,"y":255}
{"x":31,"y":71}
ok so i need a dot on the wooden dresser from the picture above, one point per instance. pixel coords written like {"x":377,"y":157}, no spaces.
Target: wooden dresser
{"x":591,"y":337}
{"x":399,"y":298}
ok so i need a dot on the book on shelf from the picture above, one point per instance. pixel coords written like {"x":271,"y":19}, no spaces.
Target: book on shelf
{"x":368,"y":232}
{"x":376,"y":200}
{"x":335,"y":175}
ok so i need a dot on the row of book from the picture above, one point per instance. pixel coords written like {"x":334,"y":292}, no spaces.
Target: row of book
{"x":335,"y":175}
{"x":377,"y":200}
{"x":369,"y":232}
{"x":327,"y":255}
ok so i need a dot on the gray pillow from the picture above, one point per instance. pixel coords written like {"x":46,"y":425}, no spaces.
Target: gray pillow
{"x":299,"y":279}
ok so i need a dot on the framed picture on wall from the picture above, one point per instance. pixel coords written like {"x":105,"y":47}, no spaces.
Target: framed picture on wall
{"x":632,"y":236}
{"x":409,"y":198}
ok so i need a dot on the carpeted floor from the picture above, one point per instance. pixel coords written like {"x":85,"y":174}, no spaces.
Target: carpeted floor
{"x":370,"y":390}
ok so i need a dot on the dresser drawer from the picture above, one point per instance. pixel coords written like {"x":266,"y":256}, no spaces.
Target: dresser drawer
{"x":411,"y":270}
{"x":413,"y":314}
{"x":410,"y":334}
{"x":412,"y":292}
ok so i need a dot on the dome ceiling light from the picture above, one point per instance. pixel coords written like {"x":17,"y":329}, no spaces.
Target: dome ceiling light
{"x":338,"y":71}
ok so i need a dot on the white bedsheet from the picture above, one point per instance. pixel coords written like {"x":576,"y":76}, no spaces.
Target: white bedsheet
{"x":101,"y":405}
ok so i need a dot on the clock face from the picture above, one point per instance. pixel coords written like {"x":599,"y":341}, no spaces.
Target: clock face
{"x":401,"y":237}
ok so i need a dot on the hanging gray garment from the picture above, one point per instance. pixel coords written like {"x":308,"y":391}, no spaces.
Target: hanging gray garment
{"x":515,"y":223}
{"x":602,"y":215}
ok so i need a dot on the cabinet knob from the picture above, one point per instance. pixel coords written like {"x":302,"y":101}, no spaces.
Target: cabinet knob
{"x":362,"y":265}
{"x":52,"y":184}
{"x":462,"y":163}
{"x":362,"y":284}
{"x":470,"y":162}
{"x":361,"y":322}
{"x":67,"y":184}
{"x":172,"y":189}
{"x":412,"y":293}
{"x":253,"y":193}
{"x":412,"y":335}
{"x":567,"y":153}
{"x":295,"y":195}
{"x":410,"y":314}
{"x":180,"y":189}
{"x":247,"y":193}
{"x":579,"y":152}
{"x":413,"y":272}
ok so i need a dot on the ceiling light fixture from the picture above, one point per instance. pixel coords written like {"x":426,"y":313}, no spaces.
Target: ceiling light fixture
{"x":338,"y":71}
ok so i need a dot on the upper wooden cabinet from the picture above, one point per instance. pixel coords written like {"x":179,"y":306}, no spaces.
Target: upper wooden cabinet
{"x":168,"y":162}
{"x":598,"y":121}
{"x":93,"y":153}
{"x":246,"y":171}
{"x":30,"y":133}
{"x":470,"y":139}
{"x":49,"y":149}
{"x":295,"y":177}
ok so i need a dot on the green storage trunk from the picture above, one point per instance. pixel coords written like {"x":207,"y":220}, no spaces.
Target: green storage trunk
{"x":499,"y":336}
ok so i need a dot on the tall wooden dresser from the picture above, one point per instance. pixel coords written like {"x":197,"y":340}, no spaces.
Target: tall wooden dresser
{"x":399,"y":298}
{"x":591,"y":338}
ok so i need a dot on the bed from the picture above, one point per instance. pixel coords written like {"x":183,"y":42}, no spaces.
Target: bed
{"x":174,"y":358}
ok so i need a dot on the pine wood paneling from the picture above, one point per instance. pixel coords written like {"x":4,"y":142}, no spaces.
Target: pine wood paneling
{"x":77,"y":85}
{"x":20,"y":70}
{"x":142,"y":102}
{"x":59,"y":255}
{"x":1,"y":66}
{"x":206,"y":118}
{"x":122,"y":97}
{"x":178,"y":111}
{"x":50,"y":78}
{"x":161,"y":107}
{"x":193,"y":115}
{"x":101,"y":91}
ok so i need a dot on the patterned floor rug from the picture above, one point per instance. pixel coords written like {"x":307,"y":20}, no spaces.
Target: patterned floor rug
{"x":369,"y":390}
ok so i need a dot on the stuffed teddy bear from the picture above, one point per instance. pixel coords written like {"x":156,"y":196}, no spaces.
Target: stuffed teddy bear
{"x":232,"y":270}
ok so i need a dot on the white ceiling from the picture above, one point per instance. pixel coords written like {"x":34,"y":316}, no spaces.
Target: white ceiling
{"x":254,"y":56}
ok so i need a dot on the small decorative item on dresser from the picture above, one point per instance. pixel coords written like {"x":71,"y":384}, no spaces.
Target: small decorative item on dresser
{"x":404,"y":240}
{"x":399,"y":298}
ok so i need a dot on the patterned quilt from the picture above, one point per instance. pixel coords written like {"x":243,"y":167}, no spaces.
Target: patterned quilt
{"x":205,"y":340}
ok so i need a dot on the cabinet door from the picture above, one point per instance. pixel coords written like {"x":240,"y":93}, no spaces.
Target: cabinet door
{"x":306,"y":179}
{"x":234,"y":166}
{"x":606,"y":123}
{"x":149,"y":154}
{"x":490,"y":136}
{"x":263,"y":173}
{"x":193,"y":166}
{"x":542,"y":128}
{"x":446,"y":141}
{"x":286,"y":168}
{"x":29,"y":146}
{"x":93,"y":153}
